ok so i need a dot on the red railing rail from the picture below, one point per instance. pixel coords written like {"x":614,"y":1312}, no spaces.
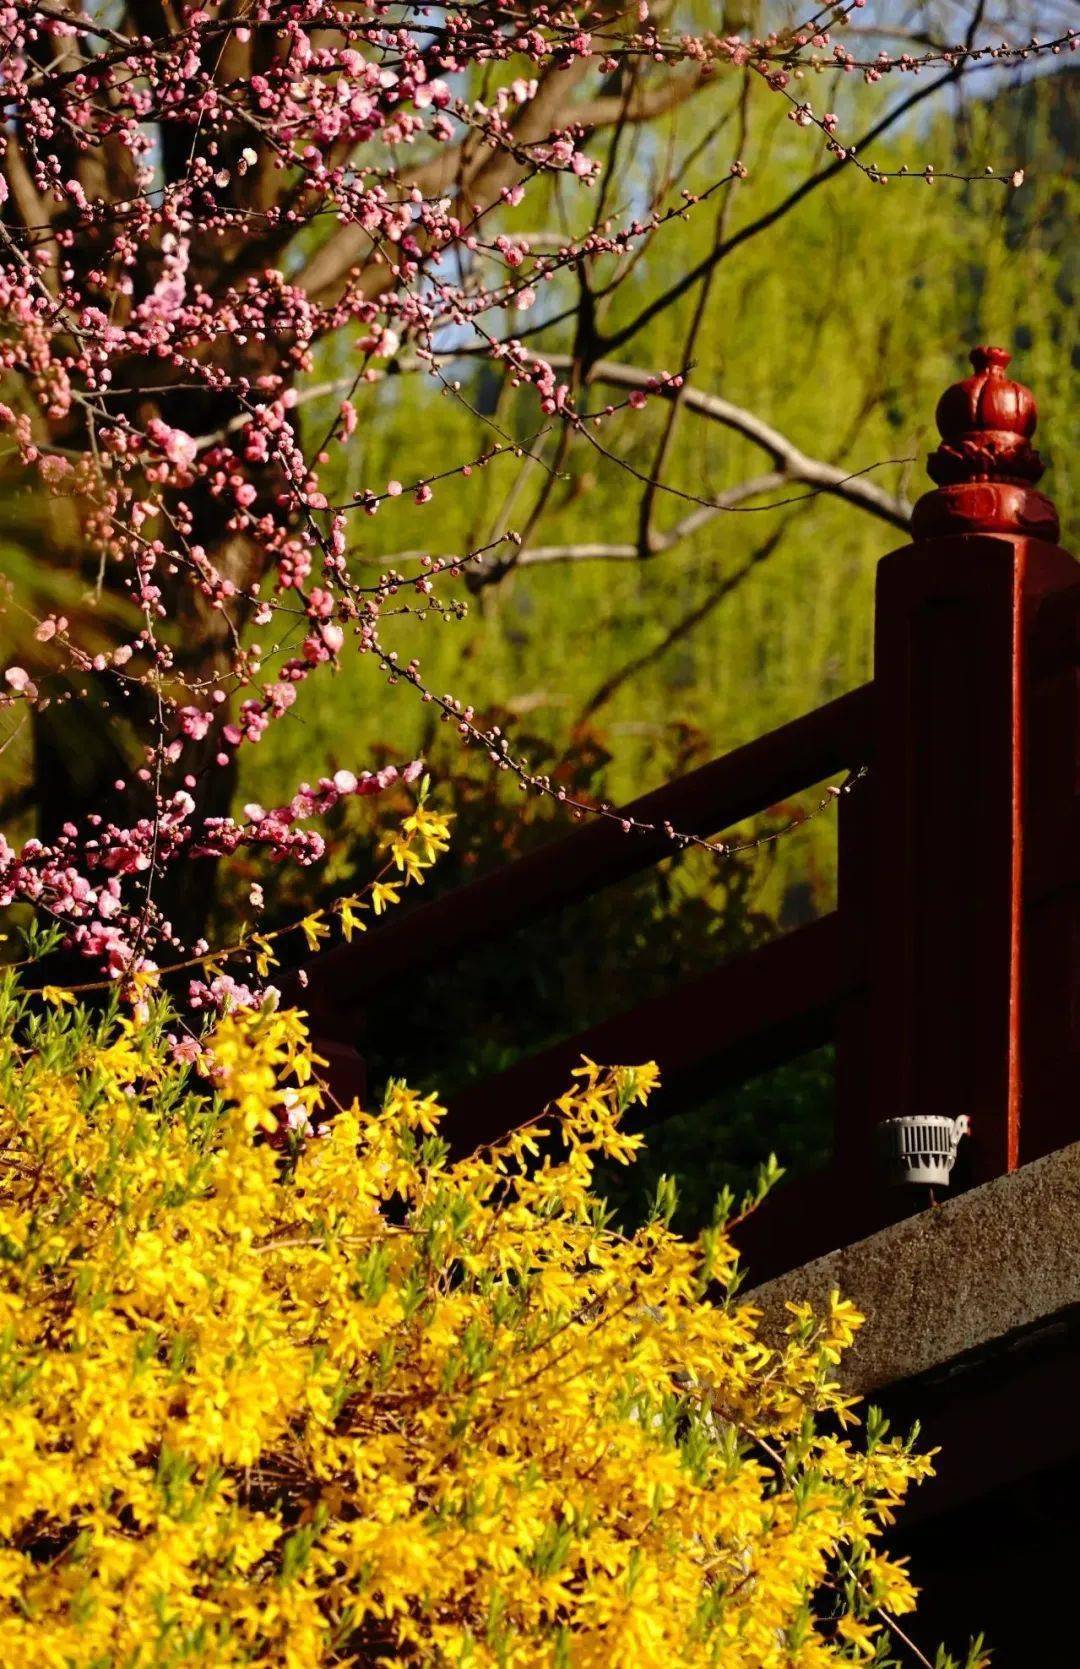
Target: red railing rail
{"x":949,"y":973}
{"x":832,"y":739}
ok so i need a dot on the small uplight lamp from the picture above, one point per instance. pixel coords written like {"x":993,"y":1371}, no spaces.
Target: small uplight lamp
{"x":921,"y":1147}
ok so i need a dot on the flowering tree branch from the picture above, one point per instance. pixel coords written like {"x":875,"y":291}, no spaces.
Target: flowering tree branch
{"x":192,"y":201}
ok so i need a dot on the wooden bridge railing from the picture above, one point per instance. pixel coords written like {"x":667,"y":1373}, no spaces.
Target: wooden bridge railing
{"x":949,"y":973}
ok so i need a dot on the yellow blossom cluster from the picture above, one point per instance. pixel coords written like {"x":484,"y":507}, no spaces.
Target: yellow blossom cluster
{"x":409,"y":851}
{"x":349,"y":1402}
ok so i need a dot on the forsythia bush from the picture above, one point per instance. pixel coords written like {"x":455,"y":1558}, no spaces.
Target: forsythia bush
{"x":344,"y":1401}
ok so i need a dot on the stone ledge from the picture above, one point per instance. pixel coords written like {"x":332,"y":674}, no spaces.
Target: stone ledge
{"x":990,"y":1264}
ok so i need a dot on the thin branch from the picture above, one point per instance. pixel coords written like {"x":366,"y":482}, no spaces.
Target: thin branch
{"x":764,"y":221}
{"x":792,"y":464}
{"x":630,"y":551}
{"x":648,"y":501}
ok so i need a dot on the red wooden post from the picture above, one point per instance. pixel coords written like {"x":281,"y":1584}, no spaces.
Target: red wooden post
{"x":974,"y":932}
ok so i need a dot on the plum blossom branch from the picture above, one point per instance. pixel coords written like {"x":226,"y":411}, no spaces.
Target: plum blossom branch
{"x":193,"y":201}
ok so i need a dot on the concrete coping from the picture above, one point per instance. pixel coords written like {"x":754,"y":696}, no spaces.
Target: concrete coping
{"x":990,"y":1264}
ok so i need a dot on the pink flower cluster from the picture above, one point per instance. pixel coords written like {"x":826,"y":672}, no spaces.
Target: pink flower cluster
{"x":191,"y":201}
{"x":78,"y":881}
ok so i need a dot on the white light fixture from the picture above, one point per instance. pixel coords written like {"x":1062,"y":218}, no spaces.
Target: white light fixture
{"x":921,"y":1147}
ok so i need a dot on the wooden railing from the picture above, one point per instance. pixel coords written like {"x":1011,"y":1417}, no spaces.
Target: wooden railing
{"x":948,"y":976}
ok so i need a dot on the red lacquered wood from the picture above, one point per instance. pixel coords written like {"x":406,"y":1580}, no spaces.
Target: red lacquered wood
{"x":749,"y":1014}
{"x":854,"y":1185}
{"x":960,"y":796}
{"x":1050,"y":967}
{"x":748,"y":780}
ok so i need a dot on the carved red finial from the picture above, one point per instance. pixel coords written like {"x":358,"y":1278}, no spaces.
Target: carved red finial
{"x":986,"y":466}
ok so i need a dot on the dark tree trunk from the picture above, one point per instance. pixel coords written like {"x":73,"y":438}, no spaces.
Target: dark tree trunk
{"x":96,"y":735}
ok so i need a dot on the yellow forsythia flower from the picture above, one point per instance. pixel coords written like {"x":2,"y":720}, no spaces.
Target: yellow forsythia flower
{"x":348,"y":914}
{"x":347,"y":1402}
{"x":314,"y":928}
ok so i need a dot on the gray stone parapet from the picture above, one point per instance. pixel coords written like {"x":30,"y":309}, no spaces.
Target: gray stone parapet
{"x":991,"y":1264}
